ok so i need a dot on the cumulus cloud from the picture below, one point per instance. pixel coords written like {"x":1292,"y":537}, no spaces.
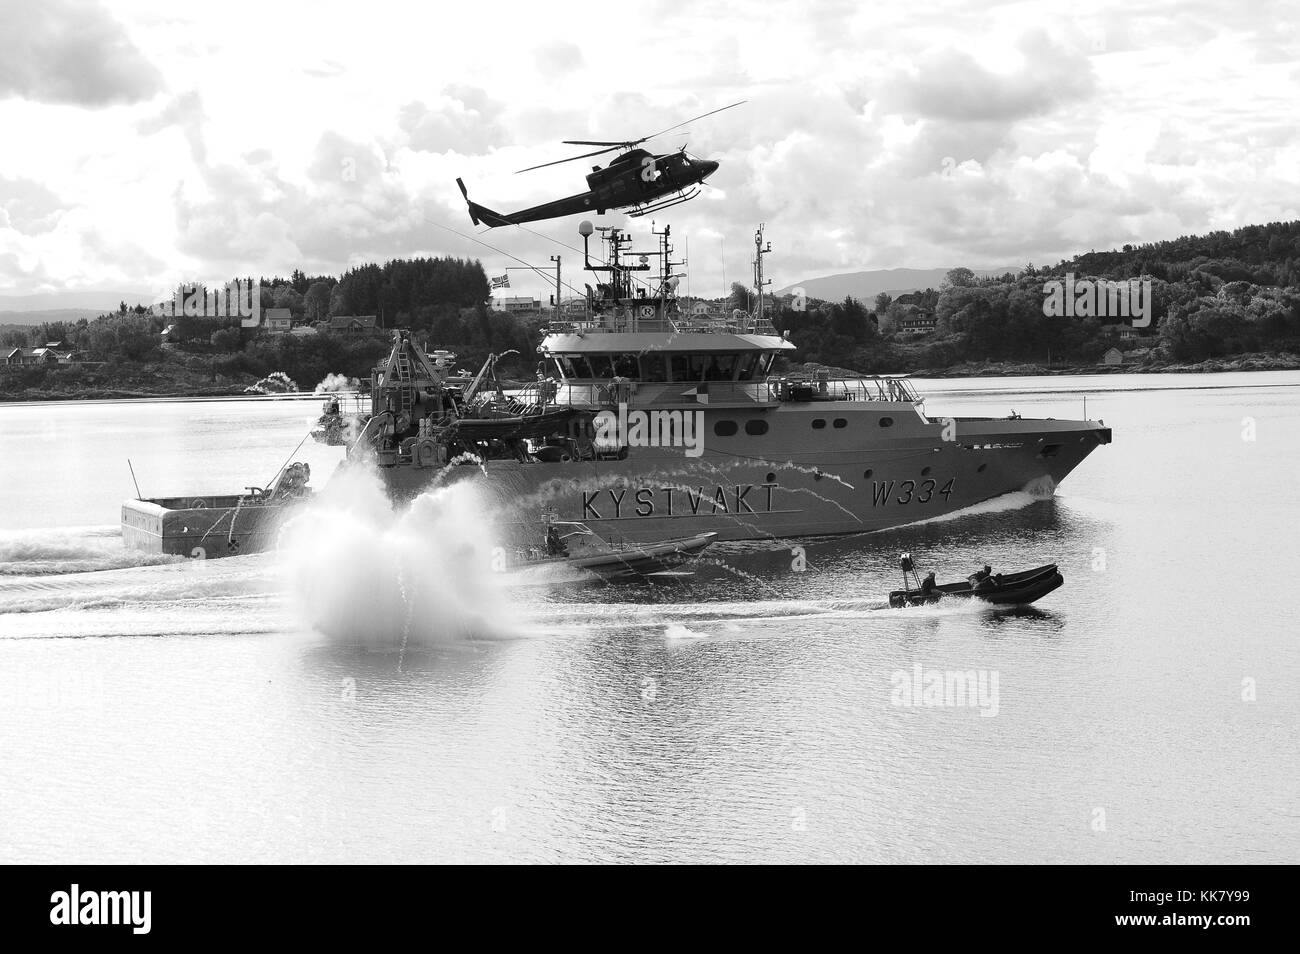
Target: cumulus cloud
{"x":939,"y":134}
{"x":28,"y":206}
{"x":348,"y":206}
{"x":558,"y":58}
{"x":71,"y":52}
{"x":184,"y":112}
{"x":463,"y":118}
{"x":949,"y":83}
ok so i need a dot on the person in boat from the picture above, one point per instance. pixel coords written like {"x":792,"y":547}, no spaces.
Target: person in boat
{"x":928,"y":586}
{"x":984,"y":581}
{"x":555,"y":545}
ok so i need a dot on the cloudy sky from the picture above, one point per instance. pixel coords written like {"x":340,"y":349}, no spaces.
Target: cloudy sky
{"x":144,"y":143}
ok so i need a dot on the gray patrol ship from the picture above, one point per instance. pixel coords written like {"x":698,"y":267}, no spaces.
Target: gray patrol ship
{"x":647,"y":423}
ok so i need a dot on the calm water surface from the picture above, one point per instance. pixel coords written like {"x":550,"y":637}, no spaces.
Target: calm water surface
{"x":189,"y":712}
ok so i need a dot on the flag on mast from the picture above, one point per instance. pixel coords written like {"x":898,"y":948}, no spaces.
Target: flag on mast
{"x":502,"y":282}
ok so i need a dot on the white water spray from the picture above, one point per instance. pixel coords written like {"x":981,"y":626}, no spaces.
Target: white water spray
{"x":401,"y":579}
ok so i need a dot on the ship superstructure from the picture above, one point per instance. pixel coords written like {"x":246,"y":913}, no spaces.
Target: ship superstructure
{"x":647,"y":422}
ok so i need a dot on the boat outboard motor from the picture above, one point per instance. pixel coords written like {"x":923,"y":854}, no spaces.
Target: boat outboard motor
{"x":907,"y":566}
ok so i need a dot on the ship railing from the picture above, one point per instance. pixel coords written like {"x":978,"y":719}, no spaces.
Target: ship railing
{"x":790,"y":388}
{"x":887,"y":389}
{"x":803,"y":387}
{"x":611,"y":323}
{"x":620,"y":323}
{"x":349,"y":402}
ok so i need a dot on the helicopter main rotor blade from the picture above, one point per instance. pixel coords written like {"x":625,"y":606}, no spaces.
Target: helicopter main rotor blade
{"x":557,"y":162}
{"x":629,"y":143}
{"x":689,"y":121}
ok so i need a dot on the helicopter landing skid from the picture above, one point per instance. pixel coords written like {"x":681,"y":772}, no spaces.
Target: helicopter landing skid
{"x":665,"y":203}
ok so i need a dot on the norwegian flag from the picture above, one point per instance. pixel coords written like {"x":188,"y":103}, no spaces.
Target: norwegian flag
{"x":502,"y":282}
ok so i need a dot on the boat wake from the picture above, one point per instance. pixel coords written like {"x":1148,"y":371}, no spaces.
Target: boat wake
{"x":61,"y":550}
{"x":1016,"y":500}
{"x":353,"y":568}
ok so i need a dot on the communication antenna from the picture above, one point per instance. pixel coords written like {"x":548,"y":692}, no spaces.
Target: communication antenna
{"x":759,"y":251}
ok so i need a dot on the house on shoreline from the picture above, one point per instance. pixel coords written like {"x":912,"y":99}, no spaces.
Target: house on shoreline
{"x":45,"y":355}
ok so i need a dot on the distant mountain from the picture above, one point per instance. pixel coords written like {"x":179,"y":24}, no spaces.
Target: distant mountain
{"x":12,"y":318}
{"x":865,"y":286}
{"x":34,"y":309}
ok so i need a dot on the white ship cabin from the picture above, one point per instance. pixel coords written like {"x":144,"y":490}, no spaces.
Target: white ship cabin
{"x":718,"y":368}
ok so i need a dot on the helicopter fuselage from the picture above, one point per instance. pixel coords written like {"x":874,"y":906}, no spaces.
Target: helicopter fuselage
{"x":633,"y":180}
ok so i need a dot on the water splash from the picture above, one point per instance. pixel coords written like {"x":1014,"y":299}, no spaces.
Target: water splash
{"x":400,"y":579}
{"x":678,"y":631}
{"x":336,"y":382}
{"x":277,"y":382}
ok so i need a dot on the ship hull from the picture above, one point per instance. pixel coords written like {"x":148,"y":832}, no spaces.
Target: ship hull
{"x":847,"y":475}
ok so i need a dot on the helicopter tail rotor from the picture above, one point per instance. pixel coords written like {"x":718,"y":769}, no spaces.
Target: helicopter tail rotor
{"x":481,"y":214}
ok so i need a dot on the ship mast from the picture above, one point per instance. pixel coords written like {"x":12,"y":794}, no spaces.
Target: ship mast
{"x":759,"y":251}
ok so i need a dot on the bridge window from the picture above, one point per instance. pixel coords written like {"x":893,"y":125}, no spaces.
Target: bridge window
{"x":653,"y":367}
{"x":721,"y":367}
{"x":725,"y":428}
{"x":683,"y":369}
{"x":746,"y":365}
{"x":581,"y":367}
{"x":818,"y":423}
{"x":765,"y":363}
{"x":625,"y":365}
{"x":755,"y":427}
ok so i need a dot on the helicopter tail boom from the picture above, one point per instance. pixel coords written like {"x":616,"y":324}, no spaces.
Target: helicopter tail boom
{"x":572,"y":205}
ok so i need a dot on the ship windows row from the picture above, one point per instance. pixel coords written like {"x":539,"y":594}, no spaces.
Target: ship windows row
{"x":753,"y":427}
{"x":757,"y":426}
{"x":661,"y":367}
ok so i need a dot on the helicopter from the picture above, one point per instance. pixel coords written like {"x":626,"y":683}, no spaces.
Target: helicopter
{"x":636,"y":179}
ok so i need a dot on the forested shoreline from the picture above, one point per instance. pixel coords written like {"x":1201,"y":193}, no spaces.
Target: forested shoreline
{"x":1224,"y":300}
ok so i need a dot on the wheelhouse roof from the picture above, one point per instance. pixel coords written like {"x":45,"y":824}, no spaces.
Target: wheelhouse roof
{"x":602,"y":342}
